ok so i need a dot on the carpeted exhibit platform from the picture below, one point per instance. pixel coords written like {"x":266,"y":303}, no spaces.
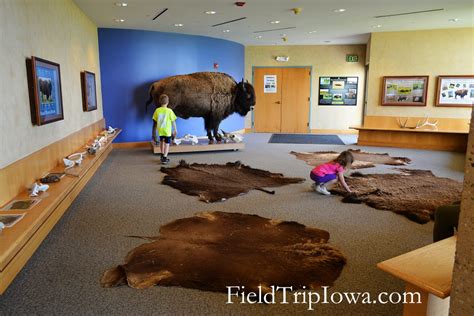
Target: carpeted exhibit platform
{"x":306,"y":139}
{"x":211,"y":250}
{"x":126,"y":197}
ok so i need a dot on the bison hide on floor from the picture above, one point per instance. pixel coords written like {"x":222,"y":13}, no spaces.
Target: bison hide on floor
{"x":211,"y":251}
{"x":362,"y":159}
{"x":213,"y":182}
{"x":413,"y":193}
{"x":210,"y":95}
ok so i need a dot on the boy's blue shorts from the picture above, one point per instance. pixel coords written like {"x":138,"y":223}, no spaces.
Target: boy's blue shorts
{"x":323,"y":179}
{"x":166,"y":139}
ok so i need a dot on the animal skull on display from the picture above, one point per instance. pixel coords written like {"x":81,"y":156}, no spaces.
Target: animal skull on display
{"x":38,"y":188}
{"x":187,"y":138}
{"x":419,"y":124}
{"x":232,"y":137}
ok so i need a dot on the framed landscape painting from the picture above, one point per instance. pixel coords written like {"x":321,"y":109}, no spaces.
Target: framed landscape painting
{"x":89,"y":95}
{"x":405,"y":90}
{"x":47,"y":95}
{"x":455,"y":91}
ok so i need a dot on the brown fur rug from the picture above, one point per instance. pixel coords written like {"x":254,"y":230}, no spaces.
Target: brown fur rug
{"x":212,"y":182}
{"x":361,"y":159}
{"x":213,"y":250}
{"x":413,"y":193}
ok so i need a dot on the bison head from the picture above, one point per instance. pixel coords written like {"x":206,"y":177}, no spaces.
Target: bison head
{"x":245,"y":98}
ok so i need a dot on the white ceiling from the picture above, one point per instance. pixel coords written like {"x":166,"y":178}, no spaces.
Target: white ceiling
{"x":349,"y":27}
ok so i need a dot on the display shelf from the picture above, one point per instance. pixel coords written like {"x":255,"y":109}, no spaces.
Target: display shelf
{"x":18,"y":243}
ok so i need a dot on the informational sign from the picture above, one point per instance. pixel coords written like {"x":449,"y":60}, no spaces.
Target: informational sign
{"x":269,"y":84}
{"x":352,"y":58}
{"x":338,"y":90}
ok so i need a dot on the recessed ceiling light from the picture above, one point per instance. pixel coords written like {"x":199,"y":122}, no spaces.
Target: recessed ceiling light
{"x":377,"y":26}
{"x":210,"y":12}
{"x":453,"y":20}
{"x":119,"y":20}
{"x":178,"y":25}
{"x":121,"y":4}
{"x":283,"y":35}
{"x":226,"y":31}
{"x":339,"y":10}
{"x":258,"y":37}
{"x":275,"y":22}
{"x":311,"y":32}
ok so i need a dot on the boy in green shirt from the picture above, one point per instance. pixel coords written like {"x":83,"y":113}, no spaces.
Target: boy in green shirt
{"x":164,"y":118}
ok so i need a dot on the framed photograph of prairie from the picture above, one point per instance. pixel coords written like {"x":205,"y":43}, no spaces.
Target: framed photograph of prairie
{"x":89,"y":95}
{"x":456,"y":91}
{"x":405,"y":90}
{"x":47,"y":95}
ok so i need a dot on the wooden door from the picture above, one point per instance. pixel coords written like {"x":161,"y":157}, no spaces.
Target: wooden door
{"x":295,"y":100}
{"x":286,"y":108}
{"x":267,"y":113}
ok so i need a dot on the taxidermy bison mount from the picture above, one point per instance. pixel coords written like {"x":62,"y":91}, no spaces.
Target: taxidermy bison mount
{"x":211,"y":251}
{"x":213,"y":182}
{"x":210,"y":95}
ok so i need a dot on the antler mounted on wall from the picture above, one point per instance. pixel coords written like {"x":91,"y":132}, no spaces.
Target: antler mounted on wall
{"x":402,"y":122}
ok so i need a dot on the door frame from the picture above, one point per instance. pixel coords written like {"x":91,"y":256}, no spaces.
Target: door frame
{"x":310,"y":90}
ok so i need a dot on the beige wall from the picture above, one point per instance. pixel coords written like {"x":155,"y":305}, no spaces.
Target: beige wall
{"x":327,"y":60}
{"x":57,"y":31}
{"x":428,"y":52}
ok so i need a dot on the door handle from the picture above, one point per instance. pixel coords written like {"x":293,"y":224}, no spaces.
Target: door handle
{"x":277,"y":102}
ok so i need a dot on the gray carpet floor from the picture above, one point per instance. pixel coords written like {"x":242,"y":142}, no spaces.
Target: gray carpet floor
{"x":125,"y":197}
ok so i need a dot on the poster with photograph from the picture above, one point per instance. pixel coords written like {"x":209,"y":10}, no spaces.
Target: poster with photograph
{"x":89,"y":95}
{"x":48,"y":105}
{"x":269,"y":84}
{"x":338,"y":90}
{"x":456,"y":91}
{"x":405,"y":90}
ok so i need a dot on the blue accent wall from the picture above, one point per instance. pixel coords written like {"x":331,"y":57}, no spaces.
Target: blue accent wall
{"x":131,"y":60}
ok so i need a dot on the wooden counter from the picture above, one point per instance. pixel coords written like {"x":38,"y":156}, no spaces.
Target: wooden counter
{"x":18,"y":243}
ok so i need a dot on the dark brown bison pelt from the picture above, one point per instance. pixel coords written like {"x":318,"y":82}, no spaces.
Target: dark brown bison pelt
{"x":210,"y":95}
{"x":361,"y":159}
{"x":213,"y":182}
{"x":413,"y":193}
{"x":211,"y":251}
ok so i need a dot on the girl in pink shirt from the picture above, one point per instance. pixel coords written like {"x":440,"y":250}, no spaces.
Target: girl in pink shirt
{"x":328,"y":173}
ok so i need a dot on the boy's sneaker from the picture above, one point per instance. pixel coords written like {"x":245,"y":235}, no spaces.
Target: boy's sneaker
{"x":164,"y":160}
{"x":322,"y":189}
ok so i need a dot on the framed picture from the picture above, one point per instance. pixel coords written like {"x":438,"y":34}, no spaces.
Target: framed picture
{"x":47,"y":96}
{"x":455,"y":91}
{"x":405,"y":90}
{"x":335,"y":91}
{"x":89,"y":95}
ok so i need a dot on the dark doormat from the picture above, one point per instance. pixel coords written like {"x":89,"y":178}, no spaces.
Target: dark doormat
{"x":305,"y":139}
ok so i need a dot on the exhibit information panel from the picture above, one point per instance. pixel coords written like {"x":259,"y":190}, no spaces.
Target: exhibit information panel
{"x":338,"y":90}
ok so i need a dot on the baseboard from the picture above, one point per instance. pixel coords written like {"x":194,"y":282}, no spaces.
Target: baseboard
{"x":129,"y":145}
{"x":334,"y":131}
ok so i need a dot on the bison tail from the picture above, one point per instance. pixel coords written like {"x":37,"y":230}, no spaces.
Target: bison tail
{"x":150,"y":100}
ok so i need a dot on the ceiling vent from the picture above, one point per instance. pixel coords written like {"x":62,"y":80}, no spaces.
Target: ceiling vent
{"x":159,"y":14}
{"x":407,"y":13}
{"x":231,"y":21}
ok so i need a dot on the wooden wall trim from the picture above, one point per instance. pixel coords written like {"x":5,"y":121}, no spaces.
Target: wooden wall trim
{"x":20,"y":174}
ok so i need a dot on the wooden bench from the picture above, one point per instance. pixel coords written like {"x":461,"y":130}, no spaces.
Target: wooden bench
{"x":427,"y":270}
{"x":384,"y":131}
{"x":18,"y":243}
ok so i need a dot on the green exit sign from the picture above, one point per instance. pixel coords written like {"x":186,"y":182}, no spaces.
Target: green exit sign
{"x":352,"y":58}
